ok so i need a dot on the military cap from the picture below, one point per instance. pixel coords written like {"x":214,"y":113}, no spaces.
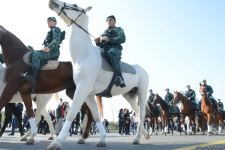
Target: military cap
{"x":111,"y":17}
{"x":204,"y":81}
{"x":51,"y":18}
{"x":167,"y":89}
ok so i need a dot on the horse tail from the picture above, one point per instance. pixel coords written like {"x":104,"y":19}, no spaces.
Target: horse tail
{"x":99,"y":104}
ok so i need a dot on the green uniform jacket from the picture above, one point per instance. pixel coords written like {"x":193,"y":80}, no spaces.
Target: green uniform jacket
{"x":209,"y":90}
{"x":169,"y":98}
{"x":220,"y":105}
{"x":190,"y":95}
{"x":116,"y":38}
{"x":151,"y":98}
{"x":53,"y":40}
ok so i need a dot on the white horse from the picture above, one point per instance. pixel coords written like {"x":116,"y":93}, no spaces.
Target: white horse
{"x":91,"y":79}
{"x":41,"y":102}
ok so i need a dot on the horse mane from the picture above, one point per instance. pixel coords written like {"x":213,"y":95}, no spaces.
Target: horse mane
{"x":163,"y":103}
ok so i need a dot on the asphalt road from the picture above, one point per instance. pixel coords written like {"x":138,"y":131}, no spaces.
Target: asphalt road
{"x":118,"y":142}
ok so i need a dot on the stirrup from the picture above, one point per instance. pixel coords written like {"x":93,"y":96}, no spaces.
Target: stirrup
{"x":26,"y":76}
{"x":118,"y":81}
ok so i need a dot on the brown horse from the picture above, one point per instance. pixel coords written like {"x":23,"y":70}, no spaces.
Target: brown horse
{"x":153,"y":113}
{"x":165,"y":116}
{"x":209,"y":112}
{"x":186,"y":110}
{"x":49,"y":81}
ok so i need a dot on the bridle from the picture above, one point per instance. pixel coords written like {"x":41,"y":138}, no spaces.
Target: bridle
{"x":71,"y":20}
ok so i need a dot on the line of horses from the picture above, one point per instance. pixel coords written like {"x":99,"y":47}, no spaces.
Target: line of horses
{"x":82,"y":79}
{"x":206,"y":119}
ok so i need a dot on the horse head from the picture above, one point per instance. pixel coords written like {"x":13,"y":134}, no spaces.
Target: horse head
{"x":202,"y":89}
{"x":70,"y":13}
{"x":157,"y":100}
{"x":177,"y":97}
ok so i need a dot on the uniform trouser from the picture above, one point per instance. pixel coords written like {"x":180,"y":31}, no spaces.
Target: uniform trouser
{"x":113,"y":56}
{"x":10,"y":109}
{"x":38,"y":57}
{"x":194,"y":105}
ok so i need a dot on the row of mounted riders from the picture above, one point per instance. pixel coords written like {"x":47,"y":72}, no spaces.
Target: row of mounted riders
{"x":167,"y":116}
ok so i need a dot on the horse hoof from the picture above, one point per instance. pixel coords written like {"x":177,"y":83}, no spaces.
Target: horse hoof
{"x":81,"y":141}
{"x":55,"y":145}
{"x":50,"y":138}
{"x":30,"y":142}
{"x":210,"y":133}
{"x":136,"y":142}
{"x":101,"y":144}
{"x":23,"y":139}
{"x":147,"y":136}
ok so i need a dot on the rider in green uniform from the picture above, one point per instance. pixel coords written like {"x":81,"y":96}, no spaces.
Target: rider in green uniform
{"x":49,"y":52}
{"x":190,"y":95}
{"x":110,"y":42}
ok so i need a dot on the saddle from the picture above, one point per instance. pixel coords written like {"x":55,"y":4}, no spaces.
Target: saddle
{"x":50,"y":65}
{"x":125,"y":68}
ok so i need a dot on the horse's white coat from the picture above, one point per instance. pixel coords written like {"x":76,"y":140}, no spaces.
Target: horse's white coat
{"x":91,"y":79}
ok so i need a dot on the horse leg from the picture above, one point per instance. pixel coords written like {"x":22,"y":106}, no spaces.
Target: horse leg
{"x":141,"y":114}
{"x":33,"y":127}
{"x":37,"y":120}
{"x":49,"y":121}
{"x":220,"y":126}
{"x":90,"y":101}
{"x":7,"y":94}
{"x":209,"y":122}
{"x":41,"y":102}
{"x":82,"y":91}
{"x":86,"y":124}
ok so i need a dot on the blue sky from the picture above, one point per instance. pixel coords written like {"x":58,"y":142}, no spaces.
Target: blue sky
{"x":178,"y":42}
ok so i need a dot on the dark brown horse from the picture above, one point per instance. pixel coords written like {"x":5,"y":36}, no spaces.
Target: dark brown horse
{"x":166,"y":116}
{"x":208,"y":110}
{"x":186,"y":110}
{"x":153,"y":113}
{"x":50,"y":81}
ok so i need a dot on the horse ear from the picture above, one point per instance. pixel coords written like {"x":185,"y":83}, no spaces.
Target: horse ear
{"x":88,"y":9}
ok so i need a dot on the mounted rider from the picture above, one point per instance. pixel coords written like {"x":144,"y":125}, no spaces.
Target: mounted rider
{"x":220,"y":105}
{"x":110,"y":43}
{"x":151,"y":96}
{"x":209,"y":92}
{"x":190,"y":95}
{"x":49,"y":52}
{"x":169,"y":97}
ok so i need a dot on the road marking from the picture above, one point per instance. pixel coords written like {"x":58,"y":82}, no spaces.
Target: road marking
{"x":210,"y":145}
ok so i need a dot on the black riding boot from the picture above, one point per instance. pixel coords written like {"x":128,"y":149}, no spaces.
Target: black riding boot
{"x":27,"y":75}
{"x":115,"y":63}
{"x":31,"y":75}
{"x":35,"y":73}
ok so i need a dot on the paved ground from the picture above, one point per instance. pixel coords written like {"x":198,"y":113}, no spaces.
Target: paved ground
{"x":118,"y":142}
